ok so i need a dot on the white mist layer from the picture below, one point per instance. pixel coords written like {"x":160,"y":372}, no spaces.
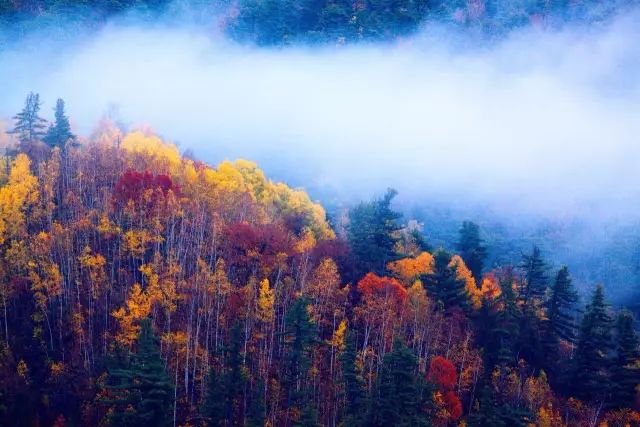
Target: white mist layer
{"x":541,"y":122}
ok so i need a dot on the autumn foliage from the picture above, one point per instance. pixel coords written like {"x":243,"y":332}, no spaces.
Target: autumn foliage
{"x":255,"y":300}
{"x":372,"y":287}
{"x":443,"y":373}
{"x":144,"y":188}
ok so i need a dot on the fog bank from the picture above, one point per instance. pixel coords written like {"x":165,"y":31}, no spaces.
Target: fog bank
{"x":540,"y":122}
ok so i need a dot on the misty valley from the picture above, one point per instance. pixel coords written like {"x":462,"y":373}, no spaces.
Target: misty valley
{"x":320,"y":213}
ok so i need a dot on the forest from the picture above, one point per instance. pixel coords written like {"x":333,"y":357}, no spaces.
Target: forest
{"x":285,"y":22}
{"x":143,"y":287}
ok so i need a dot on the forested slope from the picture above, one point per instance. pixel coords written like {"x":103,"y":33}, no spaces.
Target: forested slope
{"x":143,"y":288}
{"x":282,"y":22}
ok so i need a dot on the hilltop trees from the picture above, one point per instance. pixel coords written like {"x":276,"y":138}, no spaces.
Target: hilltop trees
{"x":471,"y":249}
{"x":443,"y":283}
{"x":336,"y":21}
{"x":372,"y":232}
{"x":59,"y":133}
{"x":29,"y":126}
{"x":535,"y":276}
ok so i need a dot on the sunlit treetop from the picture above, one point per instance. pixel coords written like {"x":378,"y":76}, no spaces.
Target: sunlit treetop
{"x":411,"y":268}
{"x":231,"y":180}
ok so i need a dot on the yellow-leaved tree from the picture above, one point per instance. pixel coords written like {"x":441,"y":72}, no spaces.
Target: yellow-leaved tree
{"x":409,"y":269}
{"x":137,"y":307}
{"x":16,"y":198}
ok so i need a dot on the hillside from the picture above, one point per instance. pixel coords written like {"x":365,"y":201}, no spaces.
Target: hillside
{"x":141,"y":287}
{"x":285,"y":22}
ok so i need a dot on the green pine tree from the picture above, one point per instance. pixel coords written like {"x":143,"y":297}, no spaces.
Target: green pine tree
{"x":256,"y":413}
{"x":119,"y":391}
{"x":487,"y":413}
{"x":138,"y":388}
{"x":626,"y":365}
{"x":214,"y":406}
{"x":225,"y":388}
{"x":534,"y":288}
{"x":29,"y":126}
{"x":59,"y":132}
{"x":535,"y":276}
{"x":308,"y":415}
{"x":560,"y":323}
{"x":443,"y":285}
{"x":561,"y":307}
{"x":471,"y":250}
{"x":591,"y":377}
{"x":300,"y":335}
{"x":400,"y":396}
{"x":498,"y":329}
{"x":151,"y":380}
{"x":373,"y":233}
{"x":353,"y":384}
{"x":235,"y":377}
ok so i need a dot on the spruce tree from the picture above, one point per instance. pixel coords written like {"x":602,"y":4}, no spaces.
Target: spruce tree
{"x":151,"y":380}
{"x":308,"y":415}
{"x":29,"y":126}
{"x":534,"y":287}
{"x":372,"y":233}
{"x":498,"y":330}
{"x":256,"y":412}
{"x":561,"y":307}
{"x":353,"y":387}
{"x":485,"y":411}
{"x":626,"y":365}
{"x":535,"y":275}
{"x":214,"y":406}
{"x":490,"y":413}
{"x":138,"y":388}
{"x":399,"y":395}
{"x":235,"y":377}
{"x":591,"y":377}
{"x":559,"y":323}
{"x":300,"y":335}
{"x":471,"y":250}
{"x":446,"y":289}
{"x":119,"y":392}
{"x":225,"y":388}
{"x":59,"y":132}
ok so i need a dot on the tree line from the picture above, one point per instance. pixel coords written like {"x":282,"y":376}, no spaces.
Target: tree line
{"x":281,"y":22}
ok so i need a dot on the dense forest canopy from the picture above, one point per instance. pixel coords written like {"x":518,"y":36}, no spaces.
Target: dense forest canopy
{"x":277,"y":22}
{"x":145,"y":282}
{"x":142,"y":287}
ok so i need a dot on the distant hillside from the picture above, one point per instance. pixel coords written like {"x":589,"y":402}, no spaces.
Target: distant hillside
{"x":276,"y":22}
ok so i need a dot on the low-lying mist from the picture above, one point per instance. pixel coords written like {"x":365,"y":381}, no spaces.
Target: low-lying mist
{"x":541,"y":124}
